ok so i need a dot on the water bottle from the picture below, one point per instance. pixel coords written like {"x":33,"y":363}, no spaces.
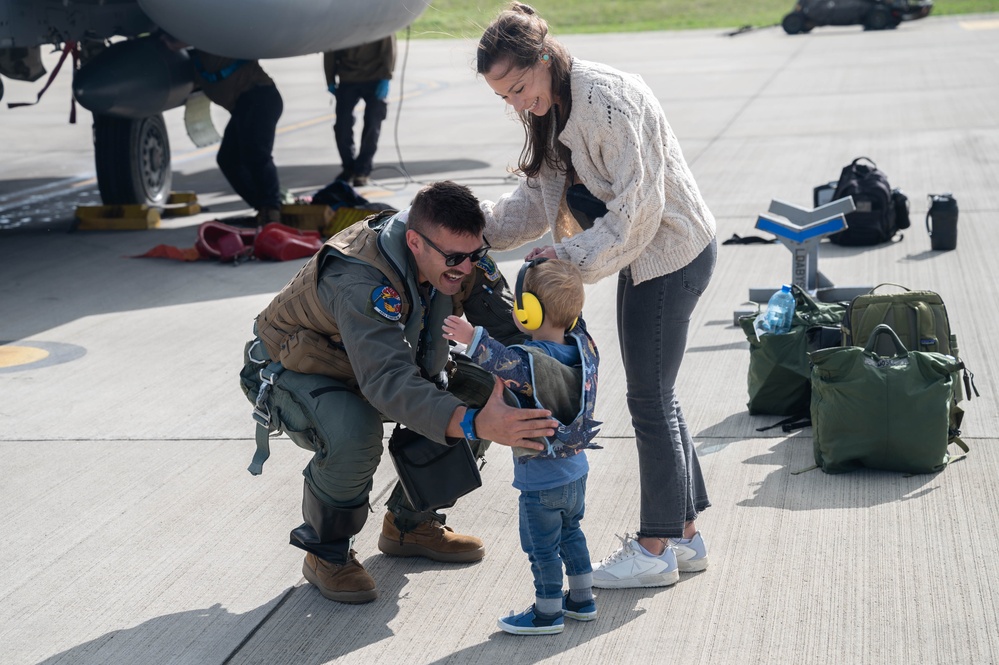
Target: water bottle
{"x":941,"y":222}
{"x":780,"y":310}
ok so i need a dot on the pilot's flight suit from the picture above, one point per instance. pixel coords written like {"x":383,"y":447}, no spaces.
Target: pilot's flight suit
{"x":355,"y":312}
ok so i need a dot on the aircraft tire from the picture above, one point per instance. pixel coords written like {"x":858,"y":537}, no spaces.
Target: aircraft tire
{"x":794,"y":23}
{"x":878,"y":18}
{"x":132,"y":157}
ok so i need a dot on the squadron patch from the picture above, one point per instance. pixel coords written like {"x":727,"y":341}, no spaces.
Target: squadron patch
{"x":488,"y":266}
{"x":387,"y":302}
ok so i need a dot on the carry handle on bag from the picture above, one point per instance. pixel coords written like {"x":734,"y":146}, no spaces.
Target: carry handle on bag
{"x":888,"y":412}
{"x":433,"y":475}
{"x":882,"y":329}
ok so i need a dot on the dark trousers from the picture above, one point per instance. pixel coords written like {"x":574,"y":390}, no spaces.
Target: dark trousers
{"x":375,"y":110}
{"x":244,"y":156}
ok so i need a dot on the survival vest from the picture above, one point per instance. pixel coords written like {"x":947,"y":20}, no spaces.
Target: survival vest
{"x":297,"y":329}
{"x":551,"y":380}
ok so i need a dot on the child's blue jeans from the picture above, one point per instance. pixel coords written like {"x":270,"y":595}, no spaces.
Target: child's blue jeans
{"x":551,"y":536}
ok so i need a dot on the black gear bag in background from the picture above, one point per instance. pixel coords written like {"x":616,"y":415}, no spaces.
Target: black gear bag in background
{"x":880,"y":211}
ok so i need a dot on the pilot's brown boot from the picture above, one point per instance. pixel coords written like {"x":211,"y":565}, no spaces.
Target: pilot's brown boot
{"x":430,"y":539}
{"x":344,"y":583}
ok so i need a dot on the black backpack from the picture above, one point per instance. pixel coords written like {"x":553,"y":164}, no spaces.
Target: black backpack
{"x":880,"y":210}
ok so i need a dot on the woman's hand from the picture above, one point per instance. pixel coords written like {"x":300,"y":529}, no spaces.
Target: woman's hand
{"x":458,"y":330}
{"x":546,"y":252}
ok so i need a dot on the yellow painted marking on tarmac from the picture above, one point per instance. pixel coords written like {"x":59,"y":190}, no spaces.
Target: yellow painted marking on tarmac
{"x":984,"y":24}
{"x":429,"y":86}
{"x":306,"y":123}
{"x":12,"y":356}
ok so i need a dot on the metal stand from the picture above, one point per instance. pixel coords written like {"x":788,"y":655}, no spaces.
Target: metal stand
{"x":801,"y":230}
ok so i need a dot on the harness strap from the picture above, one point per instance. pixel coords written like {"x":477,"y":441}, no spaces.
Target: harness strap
{"x":878,"y":313}
{"x":962,"y":445}
{"x":261,"y":408}
{"x":70,"y":48}
{"x":263,"y":451}
{"x":951,"y":458}
{"x":969,"y":383}
{"x":790,"y":423}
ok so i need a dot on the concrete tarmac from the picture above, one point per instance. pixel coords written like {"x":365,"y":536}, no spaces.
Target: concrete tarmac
{"x":132,"y":532}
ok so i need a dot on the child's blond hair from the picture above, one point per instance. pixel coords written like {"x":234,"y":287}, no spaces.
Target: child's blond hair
{"x":559,"y":286}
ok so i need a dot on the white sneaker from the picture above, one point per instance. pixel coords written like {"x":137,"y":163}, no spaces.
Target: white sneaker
{"x":630,"y":568}
{"x":691,"y":557}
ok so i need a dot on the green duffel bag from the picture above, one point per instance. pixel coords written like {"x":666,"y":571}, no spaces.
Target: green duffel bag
{"x":882,"y":412}
{"x":778,"y":378}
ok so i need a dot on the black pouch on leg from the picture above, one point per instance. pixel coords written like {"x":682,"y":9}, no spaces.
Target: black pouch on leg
{"x":433,"y":475}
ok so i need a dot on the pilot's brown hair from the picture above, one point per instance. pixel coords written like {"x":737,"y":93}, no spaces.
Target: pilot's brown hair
{"x":446,"y":204}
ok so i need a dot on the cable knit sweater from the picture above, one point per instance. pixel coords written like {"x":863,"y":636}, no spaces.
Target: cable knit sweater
{"x":625,"y":153}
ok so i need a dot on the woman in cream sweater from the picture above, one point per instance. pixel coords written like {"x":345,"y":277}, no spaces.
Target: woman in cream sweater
{"x":599,"y":130}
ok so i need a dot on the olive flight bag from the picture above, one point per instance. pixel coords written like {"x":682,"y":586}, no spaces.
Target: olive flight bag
{"x":919,"y":319}
{"x":882,"y":411}
{"x":778,"y":378}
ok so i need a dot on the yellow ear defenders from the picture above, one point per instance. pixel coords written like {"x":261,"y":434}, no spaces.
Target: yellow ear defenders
{"x":526,"y":306}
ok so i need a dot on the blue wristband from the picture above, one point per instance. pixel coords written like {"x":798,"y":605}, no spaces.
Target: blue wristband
{"x":468,"y":424}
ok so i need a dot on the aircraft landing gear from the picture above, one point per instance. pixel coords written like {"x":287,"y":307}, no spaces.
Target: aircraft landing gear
{"x":132,"y":157}
{"x":795,"y":23}
{"x":879,"y":18}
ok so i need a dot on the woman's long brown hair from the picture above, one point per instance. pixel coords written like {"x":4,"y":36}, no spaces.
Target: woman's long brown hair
{"x":517,"y":39}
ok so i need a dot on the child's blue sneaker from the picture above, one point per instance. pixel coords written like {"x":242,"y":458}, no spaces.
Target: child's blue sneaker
{"x":530,"y":622}
{"x":582,"y":611}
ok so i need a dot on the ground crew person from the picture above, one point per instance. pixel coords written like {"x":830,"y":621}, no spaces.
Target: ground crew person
{"x":367,"y":311}
{"x":245,"y":158}
{"x":353,"y":74}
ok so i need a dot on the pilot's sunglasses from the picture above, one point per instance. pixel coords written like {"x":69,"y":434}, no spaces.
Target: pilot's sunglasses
{"x":452,"y":260}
